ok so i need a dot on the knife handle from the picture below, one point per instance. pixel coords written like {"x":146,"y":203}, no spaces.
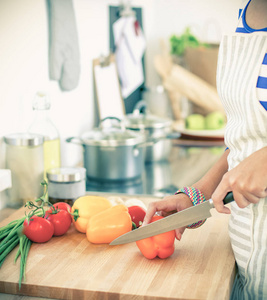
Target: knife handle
{"x":228,"y":198}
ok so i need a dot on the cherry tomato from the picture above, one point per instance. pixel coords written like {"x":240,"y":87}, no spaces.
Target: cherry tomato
{"x":62,"y":206}
{"x":137,"y":214}
{"x":38,"y":229}
{"x":60,"y":219}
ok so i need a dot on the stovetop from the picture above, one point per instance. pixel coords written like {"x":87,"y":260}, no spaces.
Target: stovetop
{"x":184,"y":167}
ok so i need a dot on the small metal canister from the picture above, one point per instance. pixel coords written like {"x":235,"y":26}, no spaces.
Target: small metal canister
{"x":66,"y":184}
{"x":25,"y":159}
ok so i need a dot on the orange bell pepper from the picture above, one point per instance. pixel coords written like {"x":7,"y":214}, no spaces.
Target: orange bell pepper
{"x":161,"y":245}
{"x":109,"y":224}
{"x":85,"y":207}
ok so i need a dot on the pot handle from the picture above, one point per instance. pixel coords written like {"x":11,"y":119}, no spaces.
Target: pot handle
{"x":170,"y":136}
{"x":140,"y":108}
{"x":173,"y":135}
{"x":101,"y":122}
{"x":74,"y":140}
{"x":153,"y":141}
{"x":110,"y":118}
{"x":149,"y":142}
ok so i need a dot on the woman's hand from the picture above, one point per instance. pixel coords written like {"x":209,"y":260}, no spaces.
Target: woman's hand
{"x":247,"y":181}
{"x":174,"y":203}
{"x":167,"y":206}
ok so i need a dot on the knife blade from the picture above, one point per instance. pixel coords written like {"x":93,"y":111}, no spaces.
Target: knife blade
{"x":174,"y":221}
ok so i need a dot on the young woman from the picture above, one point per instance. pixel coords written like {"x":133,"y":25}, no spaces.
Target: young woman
{"x":242,"y":169}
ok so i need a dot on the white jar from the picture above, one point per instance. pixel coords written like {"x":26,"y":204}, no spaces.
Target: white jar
{"x":66,"y":184}
{"x":25,"y":159}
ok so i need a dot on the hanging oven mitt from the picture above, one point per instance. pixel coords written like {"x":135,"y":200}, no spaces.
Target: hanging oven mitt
{"x":64,"y":56}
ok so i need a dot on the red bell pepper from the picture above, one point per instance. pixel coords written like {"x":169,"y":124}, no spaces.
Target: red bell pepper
{"x":161,"y":245}
{"x":137,"y":214}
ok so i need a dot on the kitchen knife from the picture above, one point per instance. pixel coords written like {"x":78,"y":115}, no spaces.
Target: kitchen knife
{"x":174,"y":221}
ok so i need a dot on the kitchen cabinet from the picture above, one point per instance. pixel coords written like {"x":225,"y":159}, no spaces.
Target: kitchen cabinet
{"x":69,"y":267}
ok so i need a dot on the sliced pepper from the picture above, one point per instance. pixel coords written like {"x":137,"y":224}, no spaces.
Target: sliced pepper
{"x":109,"y":224}
{"x":161,"y":245}
{"x":85,"y":207}
{"x":137,"y":214}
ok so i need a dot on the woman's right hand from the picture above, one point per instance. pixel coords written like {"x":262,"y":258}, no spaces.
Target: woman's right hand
{"x":174,"y":203}
{"x":167,"y":206}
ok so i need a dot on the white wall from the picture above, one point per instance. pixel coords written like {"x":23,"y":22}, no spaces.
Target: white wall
{"x":24,"y":56}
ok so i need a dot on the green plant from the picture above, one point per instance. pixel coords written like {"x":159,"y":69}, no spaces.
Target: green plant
{"x":185,"y":40}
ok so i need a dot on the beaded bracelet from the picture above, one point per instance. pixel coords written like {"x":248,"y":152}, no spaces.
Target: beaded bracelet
{"x":196,"y":197}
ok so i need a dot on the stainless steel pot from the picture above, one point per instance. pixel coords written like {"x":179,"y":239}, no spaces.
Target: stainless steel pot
{"x":156,"y":129}
{"x":112,"y":152}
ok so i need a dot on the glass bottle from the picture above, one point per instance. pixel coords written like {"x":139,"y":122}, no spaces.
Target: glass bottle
{"x":43,"y":125}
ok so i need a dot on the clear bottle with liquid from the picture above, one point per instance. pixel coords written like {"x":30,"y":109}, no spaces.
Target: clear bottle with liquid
{"x":43,"y":125}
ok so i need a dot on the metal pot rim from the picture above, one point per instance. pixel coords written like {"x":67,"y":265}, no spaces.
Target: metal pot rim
{"x":136,"y":139}
{"x":142,"y":121}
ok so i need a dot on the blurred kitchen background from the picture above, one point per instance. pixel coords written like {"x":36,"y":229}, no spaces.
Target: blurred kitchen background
{"x":25,"y":41}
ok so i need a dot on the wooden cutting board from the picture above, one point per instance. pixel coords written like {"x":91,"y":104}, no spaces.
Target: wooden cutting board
{"x":69,"y":267}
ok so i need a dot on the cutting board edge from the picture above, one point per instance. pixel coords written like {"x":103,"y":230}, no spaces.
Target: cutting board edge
{"x":55,"y":292}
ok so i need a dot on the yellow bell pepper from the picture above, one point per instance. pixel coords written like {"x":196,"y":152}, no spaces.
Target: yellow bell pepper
{"x":109,"y":224}
{"x":85,"y":207}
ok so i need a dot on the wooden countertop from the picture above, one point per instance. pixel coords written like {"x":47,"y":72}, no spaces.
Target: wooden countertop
{"x":69,"y":267}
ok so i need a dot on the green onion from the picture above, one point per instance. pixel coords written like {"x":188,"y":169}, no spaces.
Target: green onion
{"x":25,"y":245}
{"x":11,"y":235}
{"x":7,"y":250}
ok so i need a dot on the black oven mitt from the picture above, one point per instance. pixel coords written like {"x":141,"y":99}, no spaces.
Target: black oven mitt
{"x":64,"y":55}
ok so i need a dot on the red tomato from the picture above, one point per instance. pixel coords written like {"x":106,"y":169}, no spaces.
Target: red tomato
{"x":61,"y":221}
{"x":62,"y":206}
{"x":137,"y":214}
{"x":38,"y":229}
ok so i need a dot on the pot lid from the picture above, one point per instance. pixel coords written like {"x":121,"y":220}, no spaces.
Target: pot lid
{"x":146,"y":121}
{"x":112,"y":137}
{"x":65,"y":175}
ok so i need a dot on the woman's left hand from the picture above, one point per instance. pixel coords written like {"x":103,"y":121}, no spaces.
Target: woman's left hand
{"x":247,"y":181}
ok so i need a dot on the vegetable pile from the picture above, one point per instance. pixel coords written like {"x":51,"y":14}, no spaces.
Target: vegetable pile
{"x":101,"y":220}
{"x":105,"y":219}
{"x":42,"y":223}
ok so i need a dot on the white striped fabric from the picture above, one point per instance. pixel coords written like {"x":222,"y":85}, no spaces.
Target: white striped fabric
{"x":243,"y":27}
{"x":240,"y":59}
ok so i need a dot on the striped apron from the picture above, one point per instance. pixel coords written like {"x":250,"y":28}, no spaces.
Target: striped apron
{"x":239,"y":62}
